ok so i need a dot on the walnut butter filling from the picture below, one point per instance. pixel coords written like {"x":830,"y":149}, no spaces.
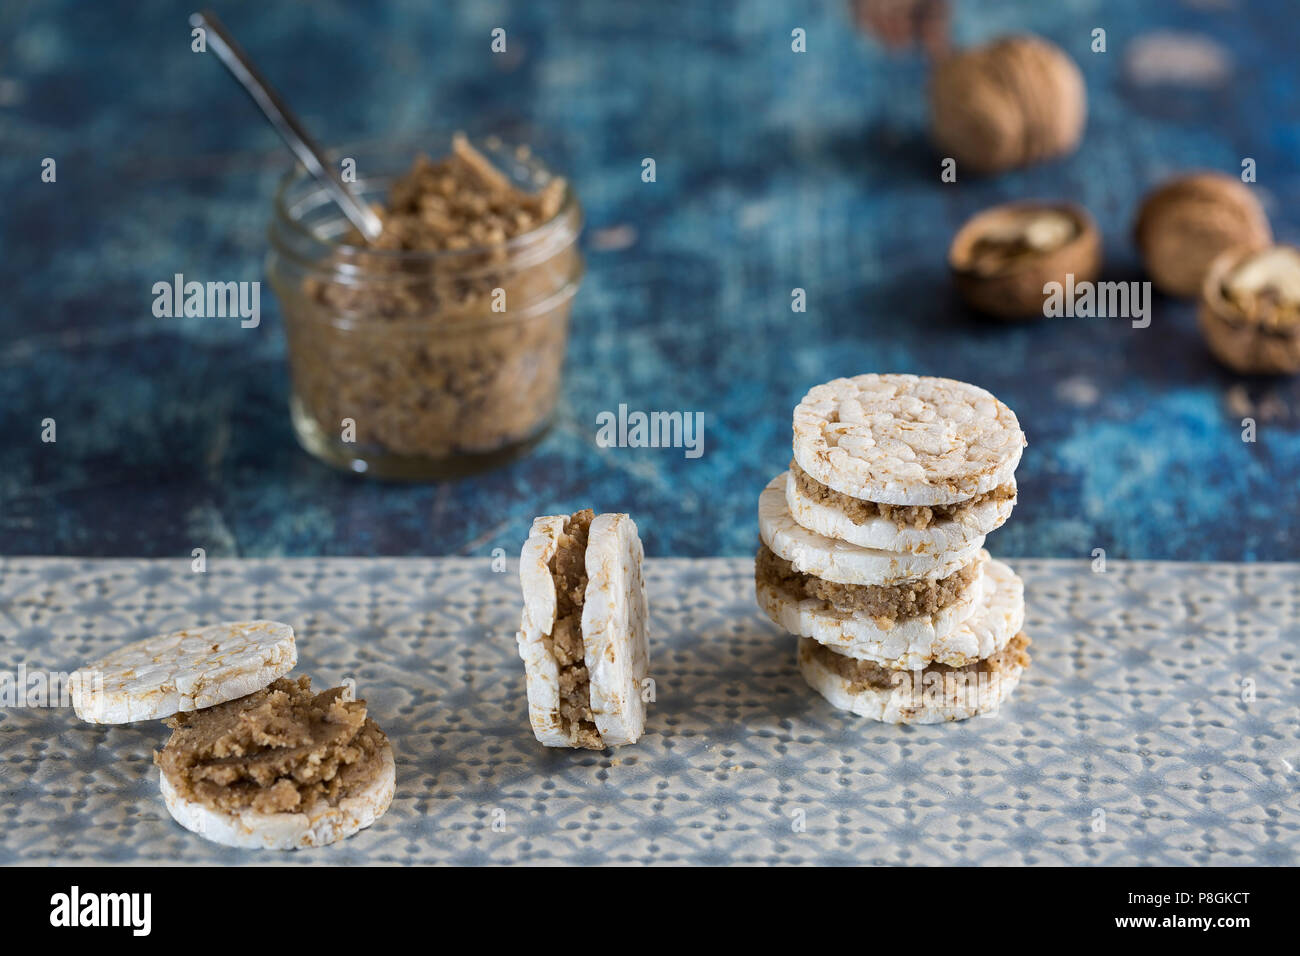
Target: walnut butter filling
{"x":868,"y":675}
{"x":569,"y":571}
{"x":444,"y":337}
{"x":279,"y":750}
{"x":455,"y":204}
{"x":919,"y":517}
{"x":886,"y":604}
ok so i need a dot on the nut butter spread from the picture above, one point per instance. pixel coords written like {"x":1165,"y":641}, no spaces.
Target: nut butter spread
{"x":456,"y":204}
{"x":278,"y":750}
{"x":569,"y":571}
{"x":446,"y":334}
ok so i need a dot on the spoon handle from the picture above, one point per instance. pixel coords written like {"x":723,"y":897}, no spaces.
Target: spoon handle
{"x":304,"y":147}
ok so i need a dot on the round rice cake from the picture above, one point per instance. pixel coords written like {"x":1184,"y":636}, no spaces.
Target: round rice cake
{"x":614,"y":633}
{"x":321,"y":824}
{"x":183,"y":671}
{"x":842,"y":562}
{"x":541,"y":669}
{"x":615,"y":628}
{"x":978,"y":626}
{"x":906,"y":439}
{"x":930,"y":696}
{"x":878,"y":531}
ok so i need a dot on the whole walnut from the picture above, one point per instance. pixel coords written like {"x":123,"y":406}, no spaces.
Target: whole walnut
{"x":1250,"y":310}
{"x":1015,"y":101}
{"x":1188,"y":221}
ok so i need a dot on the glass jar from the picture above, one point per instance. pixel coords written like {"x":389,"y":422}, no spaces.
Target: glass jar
{"x":421,"y":364}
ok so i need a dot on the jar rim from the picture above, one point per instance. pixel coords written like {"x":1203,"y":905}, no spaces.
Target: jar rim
{"x":541,"y":234}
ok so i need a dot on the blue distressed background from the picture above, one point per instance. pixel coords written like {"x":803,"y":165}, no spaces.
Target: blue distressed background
{"x":775,"y":170}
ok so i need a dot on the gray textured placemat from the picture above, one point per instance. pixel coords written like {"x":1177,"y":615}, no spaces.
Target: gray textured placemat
{"x":1131,"y":739}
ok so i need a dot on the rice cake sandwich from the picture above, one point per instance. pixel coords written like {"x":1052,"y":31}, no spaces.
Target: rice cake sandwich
{"x":255,"y":760}
{"x":834,"y":559}
{"x":919,"y":529}
{"x":979,"y":623}
{"x":936,"y":694}
{"x":583,"y":633}
{"x":903,"y":462}
{"x":868,"y":601}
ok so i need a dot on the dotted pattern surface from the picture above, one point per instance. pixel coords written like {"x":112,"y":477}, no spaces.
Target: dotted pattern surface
{"x":1158,"y":724}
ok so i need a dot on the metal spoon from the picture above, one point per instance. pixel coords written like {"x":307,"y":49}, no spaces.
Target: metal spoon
{"x":304,"y":147}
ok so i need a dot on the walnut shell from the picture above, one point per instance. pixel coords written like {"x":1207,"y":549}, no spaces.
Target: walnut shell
{"x":1015,"y":101}
{"x":1188,"y":221}
{"x":1002,"y":257}
{"x":1250,"y":316}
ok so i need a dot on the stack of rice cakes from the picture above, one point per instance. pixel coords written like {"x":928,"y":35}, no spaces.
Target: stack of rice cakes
{"x":873,"y":552}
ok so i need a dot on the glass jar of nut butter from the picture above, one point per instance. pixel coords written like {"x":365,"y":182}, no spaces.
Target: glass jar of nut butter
{"x":437,"y":349}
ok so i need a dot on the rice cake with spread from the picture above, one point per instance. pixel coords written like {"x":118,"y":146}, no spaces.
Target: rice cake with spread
{"x":279,"y":769}
{"x":935,"y":694}
{"x":978,"y":625}
{"x":917,"y":529}
{"x":842,"y":562}
{"x":255,"y":759}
